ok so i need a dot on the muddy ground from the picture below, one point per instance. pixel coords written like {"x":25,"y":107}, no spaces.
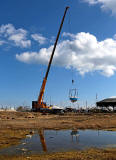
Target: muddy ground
{"x":16,"y":125}
{"x":91,"y":154}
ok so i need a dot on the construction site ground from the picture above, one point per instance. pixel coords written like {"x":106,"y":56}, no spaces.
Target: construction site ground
{"x":15,"y":125}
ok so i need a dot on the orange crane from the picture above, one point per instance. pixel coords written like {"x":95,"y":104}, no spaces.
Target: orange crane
{"x":36,"y":105}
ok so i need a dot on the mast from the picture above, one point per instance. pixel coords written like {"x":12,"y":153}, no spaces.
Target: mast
{"x":49,"y":64}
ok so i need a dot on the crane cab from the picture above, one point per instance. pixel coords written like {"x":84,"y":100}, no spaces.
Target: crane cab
{"x":36,"y":106}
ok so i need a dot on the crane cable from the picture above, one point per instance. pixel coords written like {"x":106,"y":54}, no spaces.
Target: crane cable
{"x":72,"y":92}
{"x":70,"y":32}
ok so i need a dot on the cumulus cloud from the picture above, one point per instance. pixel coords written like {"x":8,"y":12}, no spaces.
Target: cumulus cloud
{"x":105,"y":4}
{"x":39,"y":38}
{"x":83,"y":52}
{"x":17,"y":36}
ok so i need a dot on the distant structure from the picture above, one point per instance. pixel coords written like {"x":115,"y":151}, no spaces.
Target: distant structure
{"x":107,"y":103}
{"x":10,"y":109}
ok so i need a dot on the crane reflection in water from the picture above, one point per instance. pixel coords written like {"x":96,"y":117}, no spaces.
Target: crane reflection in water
{"x":74,"y":133}
{"x":42,"y":140}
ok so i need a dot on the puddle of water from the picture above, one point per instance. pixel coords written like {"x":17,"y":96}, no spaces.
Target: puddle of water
{"x":63,"y":140}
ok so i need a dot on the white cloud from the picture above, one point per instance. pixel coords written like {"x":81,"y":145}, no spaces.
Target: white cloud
{"x":105,"y":4}
{"x":39,"y":38}
{"x":34,"y":57}
{"x":65,"y":34}
{"x":17,"y":36}
{"x":84,"y":53}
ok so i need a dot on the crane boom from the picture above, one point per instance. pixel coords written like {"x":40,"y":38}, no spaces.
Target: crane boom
{"x":39,"y":102}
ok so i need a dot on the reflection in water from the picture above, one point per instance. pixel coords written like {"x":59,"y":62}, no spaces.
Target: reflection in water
{"x":98,"y":132}
{"x":56,"y":141}
{"x":42,"y":139}
{"x":75,"y":133}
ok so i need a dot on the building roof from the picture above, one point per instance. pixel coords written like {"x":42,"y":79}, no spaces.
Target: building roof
{"x":108,"y":100}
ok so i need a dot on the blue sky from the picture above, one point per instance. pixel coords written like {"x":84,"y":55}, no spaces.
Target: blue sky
{"x":86,"y":50}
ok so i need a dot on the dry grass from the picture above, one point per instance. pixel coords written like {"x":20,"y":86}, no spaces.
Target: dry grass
{"x":22,"y":120}
{"x":11,"y":137}
{"x":91,"y":154}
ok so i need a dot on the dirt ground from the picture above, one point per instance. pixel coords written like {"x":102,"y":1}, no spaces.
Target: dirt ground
{"x":16,"y":125}
{"x":91,"y":154}
{"x":30,"y":120}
